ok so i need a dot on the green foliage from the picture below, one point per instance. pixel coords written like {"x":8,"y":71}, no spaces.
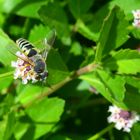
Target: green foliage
{"x":55,"y":17}
{"x":110,"y":86}
{"x":120,"y":61}
{"x":93,"y":62}
{"x":114,"y":33}
{"x":4,"y":42}
{"x":45,"y":119}
{"x":79,"y":7}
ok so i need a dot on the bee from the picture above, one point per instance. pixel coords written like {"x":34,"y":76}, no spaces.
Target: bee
{"x":35,"y":58}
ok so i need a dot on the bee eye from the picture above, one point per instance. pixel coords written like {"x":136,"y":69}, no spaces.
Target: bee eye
{"x":38,"y":69}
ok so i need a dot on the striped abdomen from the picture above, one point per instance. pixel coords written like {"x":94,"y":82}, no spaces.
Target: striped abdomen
{"x":27,"y":48}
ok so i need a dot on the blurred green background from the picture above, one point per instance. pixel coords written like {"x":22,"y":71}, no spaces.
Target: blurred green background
{"x":67,"y":108}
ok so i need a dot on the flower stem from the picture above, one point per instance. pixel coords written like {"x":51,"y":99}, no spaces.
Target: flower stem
{"x":99,"y":134}
{"x":54,"y":88}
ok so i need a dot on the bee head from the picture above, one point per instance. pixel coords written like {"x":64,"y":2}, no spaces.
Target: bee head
{"x":39,"y":66}
{"x":42,"y":76}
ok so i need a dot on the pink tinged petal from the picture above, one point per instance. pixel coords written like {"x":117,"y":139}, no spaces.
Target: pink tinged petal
{"x":111,"y":108}
{"x":111,"y":119}
{"x":114,"y":109}
{"x":118,"y":126}
{"x":18,"y":53}
{"x":17,"y":74}
{"x":136,"y":14}
{"x":128,"y":125}
{"x":24,"y":81}
{"x":126,"y":129}
{"x":24,"y":70}
{"x":28,"y":77}
{"x":14,"y":64}
{"x":28,"y":68}
{"x":123,"y":119}
{"x":136,"y":23}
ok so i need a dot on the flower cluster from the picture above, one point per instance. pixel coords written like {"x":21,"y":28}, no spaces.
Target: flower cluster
{"x":136,"y":14}
{"x":23,"y":70}
{"x":123,"y":119}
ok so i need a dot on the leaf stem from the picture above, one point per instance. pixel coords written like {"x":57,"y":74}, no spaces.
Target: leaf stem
{"x":86,"y":69}
{"x":54,"y":88}
{"x":6,"y":74}
{"x":99,"y":134}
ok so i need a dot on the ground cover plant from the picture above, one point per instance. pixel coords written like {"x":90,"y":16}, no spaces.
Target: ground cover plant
{"x":91,"y":86}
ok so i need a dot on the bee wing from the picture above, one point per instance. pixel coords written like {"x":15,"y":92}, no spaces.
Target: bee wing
{"x":48,"y":43}
{"x":13,"y":50}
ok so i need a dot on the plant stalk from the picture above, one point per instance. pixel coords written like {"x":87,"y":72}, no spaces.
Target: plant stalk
{"x":101,"y":133}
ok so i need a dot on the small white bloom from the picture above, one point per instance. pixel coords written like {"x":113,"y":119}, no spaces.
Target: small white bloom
{"x":136,"y":23}
{"x":24,"y":70}
{"x":14,"y":64}
{"x":123,"y":119}
{"x":18,"y":53}
{"x":24,"y":81}
{"x":136,"y":14}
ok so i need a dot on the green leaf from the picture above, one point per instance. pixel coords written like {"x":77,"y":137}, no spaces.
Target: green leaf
{"x":56,"y":18}
{"x":136,"y":33}
{"x":10,"y":126}
{"x":56,"y":68}
{"x":28,"y":92}
{"x":132,"y":99}
{"x":124,"y":61}
{"x":2,"y":128}
{"x":114,"y":84}
{"x":45,"y":113}
{"x":85,"y":31}
{"x":95,"y":21}
{"x":76,"y":49}
{"x":38,"y":33}
{"x":135,"y":131}
{"x":5,"y":56}
{"x":133,"y":81}
{"x":113,"y":34}
{"x":23,"y":7}
{"x":5,"y":79}
{"x":79,"y":7}
{"x":126,"y":5}
{"x":110,"y":86}
{"x":60,"y":137}
{"x":20,"y":129}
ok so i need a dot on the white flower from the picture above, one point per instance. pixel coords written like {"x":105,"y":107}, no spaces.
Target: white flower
{"x":24,"y":70}
{"x":123,"y":119}
{"x":136,"y":14}
{"x":14,"y":64}
{"x":136,"y":23}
